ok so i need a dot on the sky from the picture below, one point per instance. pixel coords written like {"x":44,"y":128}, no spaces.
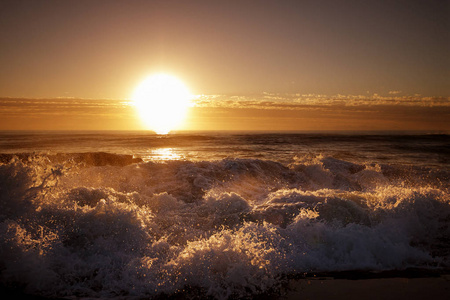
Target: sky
{"x":333,"y":51}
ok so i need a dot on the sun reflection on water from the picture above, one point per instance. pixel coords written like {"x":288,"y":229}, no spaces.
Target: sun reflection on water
{"x":162,"y":154}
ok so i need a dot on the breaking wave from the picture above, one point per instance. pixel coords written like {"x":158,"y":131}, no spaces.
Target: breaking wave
{"x":107,"y":225}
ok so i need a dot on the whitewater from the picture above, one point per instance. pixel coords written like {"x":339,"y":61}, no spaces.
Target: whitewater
{"x":133,"y":215}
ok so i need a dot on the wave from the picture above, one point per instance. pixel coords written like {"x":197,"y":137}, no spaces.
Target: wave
{"x":107,"y":225}
{"x":88,"y":158}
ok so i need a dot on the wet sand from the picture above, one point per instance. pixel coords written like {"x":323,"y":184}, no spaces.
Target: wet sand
{"x":338,"y":286}
{"x":379,"y":288}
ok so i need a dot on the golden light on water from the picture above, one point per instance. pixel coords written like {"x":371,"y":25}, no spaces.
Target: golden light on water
{"x":162,"y":101}
{"x":163,"y":154}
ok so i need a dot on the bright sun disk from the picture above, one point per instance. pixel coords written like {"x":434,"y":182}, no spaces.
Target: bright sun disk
{"x":162,"y":101}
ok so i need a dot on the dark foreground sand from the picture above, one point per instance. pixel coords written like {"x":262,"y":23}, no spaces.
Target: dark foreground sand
{"x":432,"y":288}
{"x":331,"y":286}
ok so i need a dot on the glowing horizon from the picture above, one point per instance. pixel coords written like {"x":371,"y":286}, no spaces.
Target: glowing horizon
{"x":239,"y":112}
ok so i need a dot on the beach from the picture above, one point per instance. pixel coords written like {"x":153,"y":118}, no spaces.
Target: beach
{"x":379,"y":288}
{"x":224,"y":216}
{"x":224,"y":150}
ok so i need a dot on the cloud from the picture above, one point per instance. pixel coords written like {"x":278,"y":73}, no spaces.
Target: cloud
{"x":303,"y":101}
{"x":266,"y":111}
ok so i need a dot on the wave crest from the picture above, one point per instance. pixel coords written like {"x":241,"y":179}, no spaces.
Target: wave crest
{"x":229,"y":227}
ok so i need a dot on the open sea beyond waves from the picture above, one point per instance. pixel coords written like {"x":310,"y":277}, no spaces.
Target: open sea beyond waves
{"x":133,"y":215}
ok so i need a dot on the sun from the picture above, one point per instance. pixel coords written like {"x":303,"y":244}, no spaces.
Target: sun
{"x":162,"y":101}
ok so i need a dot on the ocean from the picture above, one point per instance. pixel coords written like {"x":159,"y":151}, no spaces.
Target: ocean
{"x":134,"y":215}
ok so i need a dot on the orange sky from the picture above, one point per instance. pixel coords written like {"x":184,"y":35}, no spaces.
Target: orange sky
{"x":378,"y":54}
{"x":355,"y":114}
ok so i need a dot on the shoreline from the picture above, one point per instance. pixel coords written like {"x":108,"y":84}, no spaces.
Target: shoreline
{"x":346,"y":285}
{"x":394,"y":288}
{"x":411,"y":283}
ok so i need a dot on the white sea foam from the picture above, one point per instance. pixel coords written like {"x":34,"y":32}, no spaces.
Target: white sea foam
{"x":230,"y":227}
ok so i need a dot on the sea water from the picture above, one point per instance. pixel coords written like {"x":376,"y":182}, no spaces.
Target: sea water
{"x":139,"y":215}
